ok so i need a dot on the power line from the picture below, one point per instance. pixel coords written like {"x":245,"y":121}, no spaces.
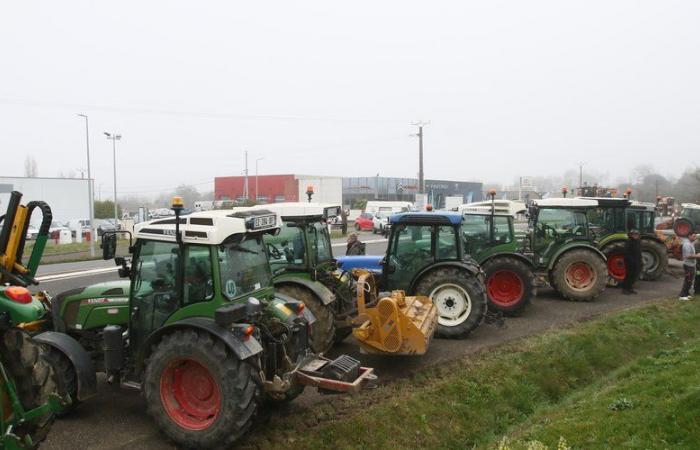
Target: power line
{"x":183,"y":113}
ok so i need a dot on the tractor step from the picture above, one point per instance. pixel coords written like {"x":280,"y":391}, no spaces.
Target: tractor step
{"x":341,"y":375}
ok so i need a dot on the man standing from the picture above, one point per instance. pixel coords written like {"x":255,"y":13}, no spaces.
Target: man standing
{"x":344,"y":221}
{"x":355,"y":247}
{"x":689,"y":259}
{"x":633,"y":261}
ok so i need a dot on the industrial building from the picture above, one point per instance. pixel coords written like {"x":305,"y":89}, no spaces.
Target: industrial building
{"x":67,"y":197}
{"x":279,"y":188}
{"x":405,"y":189}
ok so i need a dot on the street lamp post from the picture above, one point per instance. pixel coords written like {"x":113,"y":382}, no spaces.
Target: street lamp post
{"x":114,"y":138}
{"x":91,"y":193}
{"x":256,"y":178}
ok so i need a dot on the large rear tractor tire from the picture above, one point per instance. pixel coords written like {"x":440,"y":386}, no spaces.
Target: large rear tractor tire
{"x":510,"y":284}
{"x":198,"y":393}
{"x":654,"y":259}
{"x":615,"y":253}
{"x":34,"y":381}
{"x":66,"y":378}
{"x":460,"y":299}
{"x":323,"y":329}
{"x":580,"y":275}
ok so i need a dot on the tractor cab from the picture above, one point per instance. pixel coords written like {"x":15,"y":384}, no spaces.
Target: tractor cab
{"x":303,"y":242}
{"x":485,"y":232}
{"x":558,"y":221}
{"x":608,"y":217}
{"x":641,"y":216}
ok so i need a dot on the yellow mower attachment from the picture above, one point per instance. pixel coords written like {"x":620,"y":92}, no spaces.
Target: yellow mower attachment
{"x":397,"y":324}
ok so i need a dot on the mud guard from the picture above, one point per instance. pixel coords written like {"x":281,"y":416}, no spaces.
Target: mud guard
{"x":243,"y":349}
{"x":306,"y":313}
{"x":469,"y":265}
{"x":322,"y":292}
{"x":84,"y":369}
{"x":566,"y":248}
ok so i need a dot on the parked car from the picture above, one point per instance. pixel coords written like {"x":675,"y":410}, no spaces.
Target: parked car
{"x":364,"y":222}
{"x":104,"y":226}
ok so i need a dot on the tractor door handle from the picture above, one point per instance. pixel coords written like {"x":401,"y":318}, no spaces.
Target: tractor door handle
{"x":134,"y":311}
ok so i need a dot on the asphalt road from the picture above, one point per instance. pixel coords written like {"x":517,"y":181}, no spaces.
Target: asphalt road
{"x":118,"y":419}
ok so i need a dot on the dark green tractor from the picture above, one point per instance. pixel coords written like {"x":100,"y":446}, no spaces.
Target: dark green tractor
{"x":198,"y":327}
{"x":611,"y":221}
{"x":304,"y":268}
{"x":426,"y":256}
{"x":557,"y":246}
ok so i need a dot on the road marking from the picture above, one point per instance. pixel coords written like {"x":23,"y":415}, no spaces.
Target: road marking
{"x":76,"y":274}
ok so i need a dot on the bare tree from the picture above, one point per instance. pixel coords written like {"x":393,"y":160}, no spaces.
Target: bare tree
{"x":30,"y":168}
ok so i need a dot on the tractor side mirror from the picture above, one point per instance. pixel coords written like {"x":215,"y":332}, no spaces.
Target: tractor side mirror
{"x":109,"y":245}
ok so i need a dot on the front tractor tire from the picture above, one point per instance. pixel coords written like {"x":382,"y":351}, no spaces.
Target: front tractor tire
{"x":323,"y":329}
{"x":66,"y":378}
{"x":460,"y":299}
{"x":654,"y":259}
{"x":580,"y":275}
{"x":198,"y":392}
{"x":510,"y":284}
{"x":34,"y":381}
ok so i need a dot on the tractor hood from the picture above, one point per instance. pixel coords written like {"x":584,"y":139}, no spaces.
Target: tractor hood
{"x":369,"y":262}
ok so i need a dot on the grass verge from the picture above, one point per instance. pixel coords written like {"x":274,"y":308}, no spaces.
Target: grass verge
{"x":475,"y":402}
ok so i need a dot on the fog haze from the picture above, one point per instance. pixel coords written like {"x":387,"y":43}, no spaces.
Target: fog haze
{"x":511,"y":88}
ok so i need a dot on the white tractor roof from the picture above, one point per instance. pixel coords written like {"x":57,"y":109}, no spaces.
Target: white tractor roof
{"x":209,"y":227}
{"x":646,"y":205}
{"x":565,"y":203}
{"x":301,"y":209}
{"x":503,"y":207}
{"x":690,"y":205}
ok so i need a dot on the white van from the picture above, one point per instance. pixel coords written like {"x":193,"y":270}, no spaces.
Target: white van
{"x":382,"y":210}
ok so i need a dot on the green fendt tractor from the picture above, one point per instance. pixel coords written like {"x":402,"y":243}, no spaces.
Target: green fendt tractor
{"x":426,"y":256}
{"x":199,"y":329}
{"x":303,"y":267}
{"x":28,"y":398}
{"x":557,"y":247}
{"x":611,"y":220}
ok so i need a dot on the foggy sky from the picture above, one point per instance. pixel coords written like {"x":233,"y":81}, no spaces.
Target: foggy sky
{"x":511,"y":88}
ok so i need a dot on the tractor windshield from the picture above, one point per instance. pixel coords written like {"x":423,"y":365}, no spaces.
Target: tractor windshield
{"x":321,"y":244}
{"x":244,"y":267}
{"x":692,"y":214}
{"x":604,"y":221}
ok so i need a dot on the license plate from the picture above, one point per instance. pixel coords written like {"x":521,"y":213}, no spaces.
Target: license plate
{"x":264,"y":221}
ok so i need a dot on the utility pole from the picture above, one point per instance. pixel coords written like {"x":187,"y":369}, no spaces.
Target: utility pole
{"x":91,"y":191}
{"x":580,"y":176}
{"x":257,"y":193}
{"x":421,"y":176}
{"x":114,"y":138}
{"x":245,"y":183}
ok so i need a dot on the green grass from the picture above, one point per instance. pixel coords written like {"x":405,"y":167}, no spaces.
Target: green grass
{"x":512,"y":391}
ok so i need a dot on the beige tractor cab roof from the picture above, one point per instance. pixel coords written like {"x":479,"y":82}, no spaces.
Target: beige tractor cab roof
{"x":483,"y":211}
{"x":565,"y":203}
{"x":210,"y":227}
{"x":647,"y":206}
{"x":609,"y":201}
{"x":504,"y":207}
{"x":299,"y":209}
{"x":690,"y":206}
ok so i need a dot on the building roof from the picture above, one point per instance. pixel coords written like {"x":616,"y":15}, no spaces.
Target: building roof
{"x":209,"y":227}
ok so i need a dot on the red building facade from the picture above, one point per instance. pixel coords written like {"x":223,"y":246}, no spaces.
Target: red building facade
{"x":273,"y":188}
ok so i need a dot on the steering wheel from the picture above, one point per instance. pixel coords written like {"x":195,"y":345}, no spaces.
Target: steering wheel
{"x":546,"y":227}
{"x":274,"y":251}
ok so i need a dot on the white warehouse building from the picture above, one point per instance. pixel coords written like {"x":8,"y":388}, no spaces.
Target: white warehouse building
{"x":67,"y":197}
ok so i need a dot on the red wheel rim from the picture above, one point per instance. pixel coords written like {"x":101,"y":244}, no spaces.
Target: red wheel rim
{"x":190,"y":396}
{"x":580,"y":275}
{"x":616,"y":266}
{"x":682,"y":228}
{"x":505,"y":288}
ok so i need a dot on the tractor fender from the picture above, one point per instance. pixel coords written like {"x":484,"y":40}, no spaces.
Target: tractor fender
{"x":573,"y":246}
{"x":79,"y":358}
{"x":652,"y":238}
{"x":243,"y":349}
{"x":616,"y":237}
{"x":322,"y":292}
{"x":306,"y":313}
{"x":518,"y":256}
{"x":470,"y":266}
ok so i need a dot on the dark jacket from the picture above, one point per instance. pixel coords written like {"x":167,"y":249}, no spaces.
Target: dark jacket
{"x":633,"y":252}
{"x":355,"y":248}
